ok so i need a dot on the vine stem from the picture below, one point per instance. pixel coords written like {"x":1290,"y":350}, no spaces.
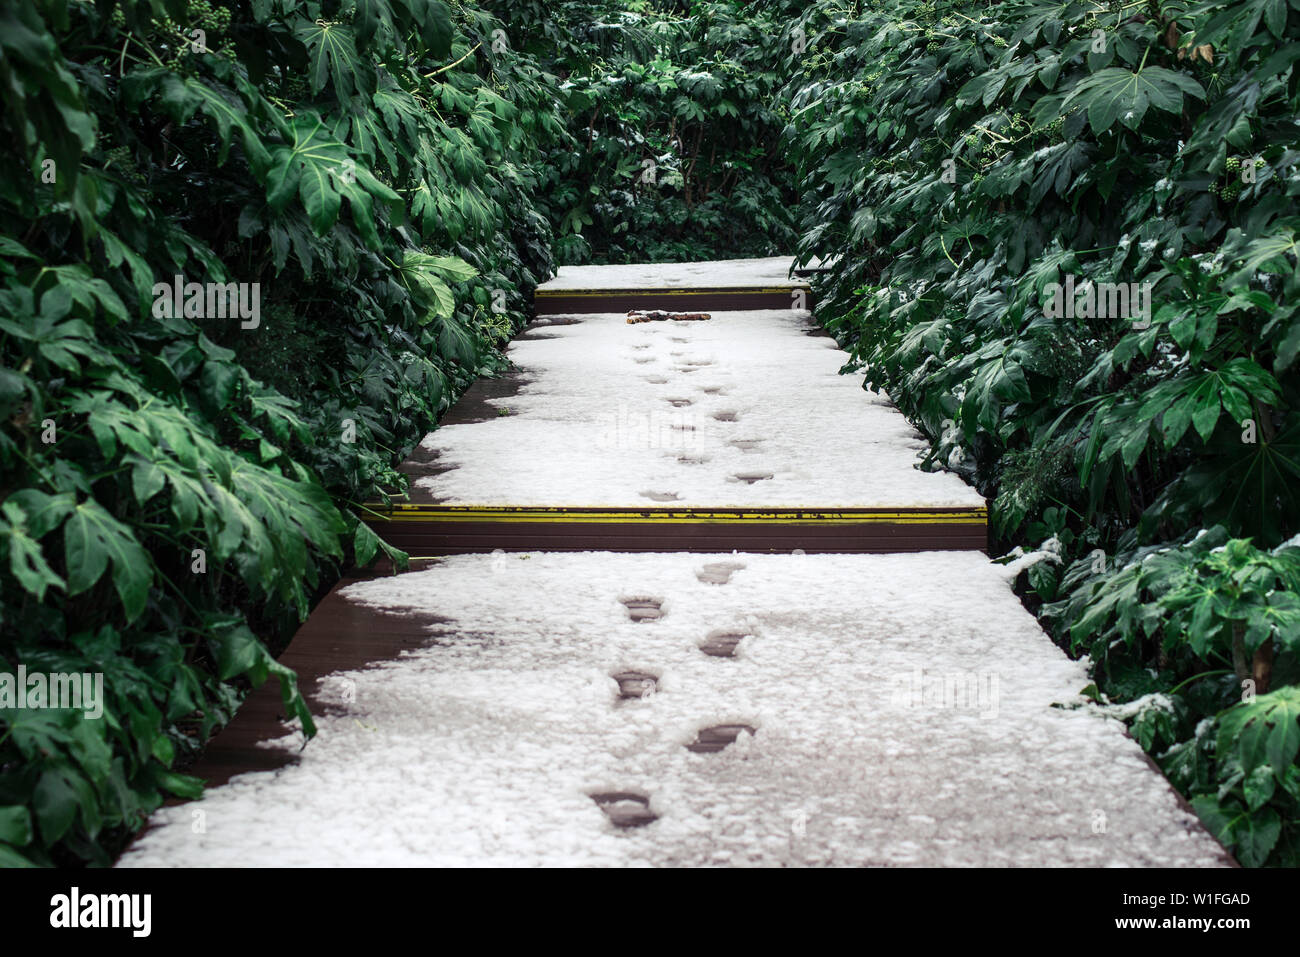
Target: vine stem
{"x":450,"y":65}
{"x":945,"y":252}
{"x":1204,"y":674}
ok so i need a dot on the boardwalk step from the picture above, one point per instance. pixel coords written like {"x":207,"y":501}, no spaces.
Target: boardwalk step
{"x":428,"y":530}
{"x":557,"y":302}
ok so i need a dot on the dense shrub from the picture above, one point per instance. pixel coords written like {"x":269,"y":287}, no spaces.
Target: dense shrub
{"x":676,"y":121}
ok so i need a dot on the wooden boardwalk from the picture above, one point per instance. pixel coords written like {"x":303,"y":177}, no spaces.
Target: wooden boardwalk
{"x":597,"y":289}
{"x":770,"y":680}
{"x":338,"y":636}
{"x":429,"y":530}
{"x":432,"y":522}
{"x":341,"y":636}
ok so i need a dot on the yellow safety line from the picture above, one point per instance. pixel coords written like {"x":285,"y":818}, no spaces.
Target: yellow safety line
{"x":454,"y":513}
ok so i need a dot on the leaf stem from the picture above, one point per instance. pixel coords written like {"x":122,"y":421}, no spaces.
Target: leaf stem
{"x":1204,"y":674}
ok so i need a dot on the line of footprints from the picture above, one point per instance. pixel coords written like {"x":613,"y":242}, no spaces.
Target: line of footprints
{"x":680,"y":402}
{"x":627,"y":808}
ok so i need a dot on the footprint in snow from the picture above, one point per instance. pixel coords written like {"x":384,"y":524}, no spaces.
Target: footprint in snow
{"x":718,"y":573}
{"x":643,"y":608}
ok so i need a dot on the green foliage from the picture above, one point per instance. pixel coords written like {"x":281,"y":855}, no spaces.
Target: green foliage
{"x":676,"y":115}
{"x":961,"y":162}
{"x":1194,"y":599}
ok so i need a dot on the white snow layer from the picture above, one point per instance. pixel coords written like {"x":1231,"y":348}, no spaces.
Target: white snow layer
{"x":903,"y":707}
{"x":759,"y":273}
{"x":744,"y":409}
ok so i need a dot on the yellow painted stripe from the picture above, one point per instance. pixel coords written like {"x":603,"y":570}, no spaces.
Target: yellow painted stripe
{"x":601,"y":293}
{"x":453,"y":513}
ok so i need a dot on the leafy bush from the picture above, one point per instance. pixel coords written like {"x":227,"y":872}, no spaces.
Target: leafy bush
{"x":962,"y":161}
{"x":676,"y":118}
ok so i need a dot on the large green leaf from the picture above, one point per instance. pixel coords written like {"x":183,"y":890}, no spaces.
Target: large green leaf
{"x":421,"y":273}
{"x":15,"y":825}
{"x":1119,"y":94}
{"x":94,"y":540}
{"x":26,"y":559}
{"x":321,"y":171}
{"x":1265,"y":731}
{"x":332,"y":53}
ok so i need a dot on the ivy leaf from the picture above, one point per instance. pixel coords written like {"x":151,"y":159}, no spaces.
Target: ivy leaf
{"x":237,"y":650}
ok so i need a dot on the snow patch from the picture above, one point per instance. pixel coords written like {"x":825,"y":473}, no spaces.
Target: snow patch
{"x":486,"y":753}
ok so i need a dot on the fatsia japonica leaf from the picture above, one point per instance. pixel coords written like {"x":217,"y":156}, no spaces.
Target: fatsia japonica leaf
{"x":93,"y":540}
{"x":1251,"y":836}
{"x":230,"y":114}
{"x":434,"y":24}
{"x":1116,"y":93}
{"x":1251,"y":486}
{"x":26,"y":558}
{"x":1263,"y":731}
{"x":320,"y":171}
{"x":424,"y":274}
{"x":332,"y":55}
{"x":1272,"y":252}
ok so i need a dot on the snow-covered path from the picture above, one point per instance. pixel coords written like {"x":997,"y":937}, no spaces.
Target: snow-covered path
{"x":903,"y":707}
{"x":773,"y":271}
{"x":746,"y":409}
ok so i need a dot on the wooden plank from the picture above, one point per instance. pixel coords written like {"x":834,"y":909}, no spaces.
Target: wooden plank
{"x":430,"y":530}
{"x":715,"y":299}
{"x":339,"y":635}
